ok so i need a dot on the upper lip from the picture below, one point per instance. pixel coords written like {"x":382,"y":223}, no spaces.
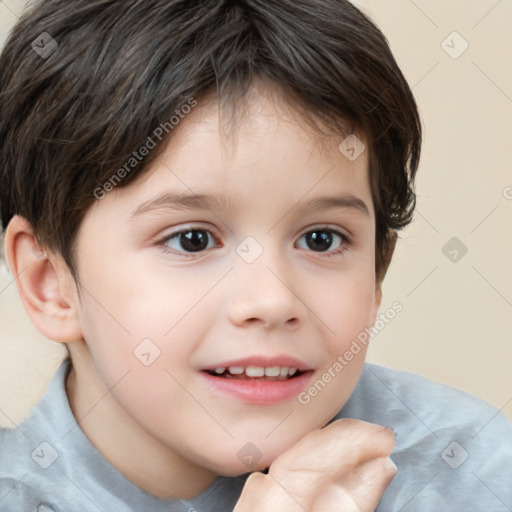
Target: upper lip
{"x":262,"y":361}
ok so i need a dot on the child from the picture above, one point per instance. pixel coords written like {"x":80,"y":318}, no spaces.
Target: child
{"x":201,"y":199}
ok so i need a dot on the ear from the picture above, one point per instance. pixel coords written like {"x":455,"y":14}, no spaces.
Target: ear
{"x":385,"y":260}
{"x":385,"y":256}
{"x":45,"y":284}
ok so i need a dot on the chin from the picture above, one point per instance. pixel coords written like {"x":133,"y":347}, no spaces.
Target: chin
{"x":234,"y":470}
{"x":246,"y":460}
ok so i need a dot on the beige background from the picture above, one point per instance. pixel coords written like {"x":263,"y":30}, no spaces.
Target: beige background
{"x":456,"y":325}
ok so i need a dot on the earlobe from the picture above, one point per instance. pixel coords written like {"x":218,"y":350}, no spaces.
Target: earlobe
{"x":385,"y":260}
{"x":44,"y":283}
{"x":384,"y":256}
{"x":376,"y":304}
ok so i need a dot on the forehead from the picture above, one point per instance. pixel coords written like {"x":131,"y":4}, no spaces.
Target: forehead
{"x":267,"y":149}
{"x":262,"y":110}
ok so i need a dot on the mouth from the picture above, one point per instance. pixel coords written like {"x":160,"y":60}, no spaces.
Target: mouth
{"x":252,"y":372}
{"x":259,"y":380}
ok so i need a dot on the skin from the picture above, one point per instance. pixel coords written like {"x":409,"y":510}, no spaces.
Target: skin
{"x":344,"y":467}
{"x":206,"y":307}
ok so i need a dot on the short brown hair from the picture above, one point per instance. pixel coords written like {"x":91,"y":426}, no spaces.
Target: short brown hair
{"x":120,"y":68}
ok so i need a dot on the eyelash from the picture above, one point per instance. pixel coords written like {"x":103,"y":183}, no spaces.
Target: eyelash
{"x":345,"y":241}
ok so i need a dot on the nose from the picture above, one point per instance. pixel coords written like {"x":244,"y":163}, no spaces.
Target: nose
{"x":262,"y":295}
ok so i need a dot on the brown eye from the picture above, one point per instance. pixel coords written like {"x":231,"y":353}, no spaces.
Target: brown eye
{"x":322,"y":240}
{"x":193,"y":240}
{"x":319,"y":241}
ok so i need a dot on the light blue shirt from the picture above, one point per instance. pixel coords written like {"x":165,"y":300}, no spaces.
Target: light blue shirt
{"x":453,"y":453}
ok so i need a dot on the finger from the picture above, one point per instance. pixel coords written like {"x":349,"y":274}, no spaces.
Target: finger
{"x":342,"y":444}
{"x":261,"y":493}
{"x":372,"y":440}
{"x":359,"y":491}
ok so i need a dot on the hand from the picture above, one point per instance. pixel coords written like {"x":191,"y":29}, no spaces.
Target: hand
{"x":344,"y":467}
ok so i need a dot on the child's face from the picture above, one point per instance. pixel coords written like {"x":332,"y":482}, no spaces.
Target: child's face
{"x":243,"y":282}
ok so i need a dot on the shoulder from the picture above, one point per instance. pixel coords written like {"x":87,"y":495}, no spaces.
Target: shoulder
{"x":452,"y":448}
{"x":48,"y":465}
{"x":408,"y":394}
{"x":29,"y":450}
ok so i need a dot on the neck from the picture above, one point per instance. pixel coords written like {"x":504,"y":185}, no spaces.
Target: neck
{"x":138,"y":456}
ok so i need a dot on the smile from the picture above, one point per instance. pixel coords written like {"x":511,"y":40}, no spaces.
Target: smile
{"x":259,"y":380}
{"x":274,"y":373}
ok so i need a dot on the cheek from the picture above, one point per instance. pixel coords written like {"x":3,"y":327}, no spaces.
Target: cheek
{"x":153,"y":310}
{"x":345,"y":304}
{"x":346,"y":317}
{"x":145,"y":287}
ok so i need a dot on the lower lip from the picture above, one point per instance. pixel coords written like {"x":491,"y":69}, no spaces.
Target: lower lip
{"x":259,"y":392}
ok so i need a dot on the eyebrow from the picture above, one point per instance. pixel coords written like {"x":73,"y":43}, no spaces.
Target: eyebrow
{"x":176,"y":202}
{"x":185,"y":201}
{"x":338,"y":201}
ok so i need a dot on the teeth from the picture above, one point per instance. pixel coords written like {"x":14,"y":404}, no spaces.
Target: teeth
{"x":236,"y":370}
{"x":274,"y":371}
{"x":255,"y":371}
{"x":259,"y":371}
